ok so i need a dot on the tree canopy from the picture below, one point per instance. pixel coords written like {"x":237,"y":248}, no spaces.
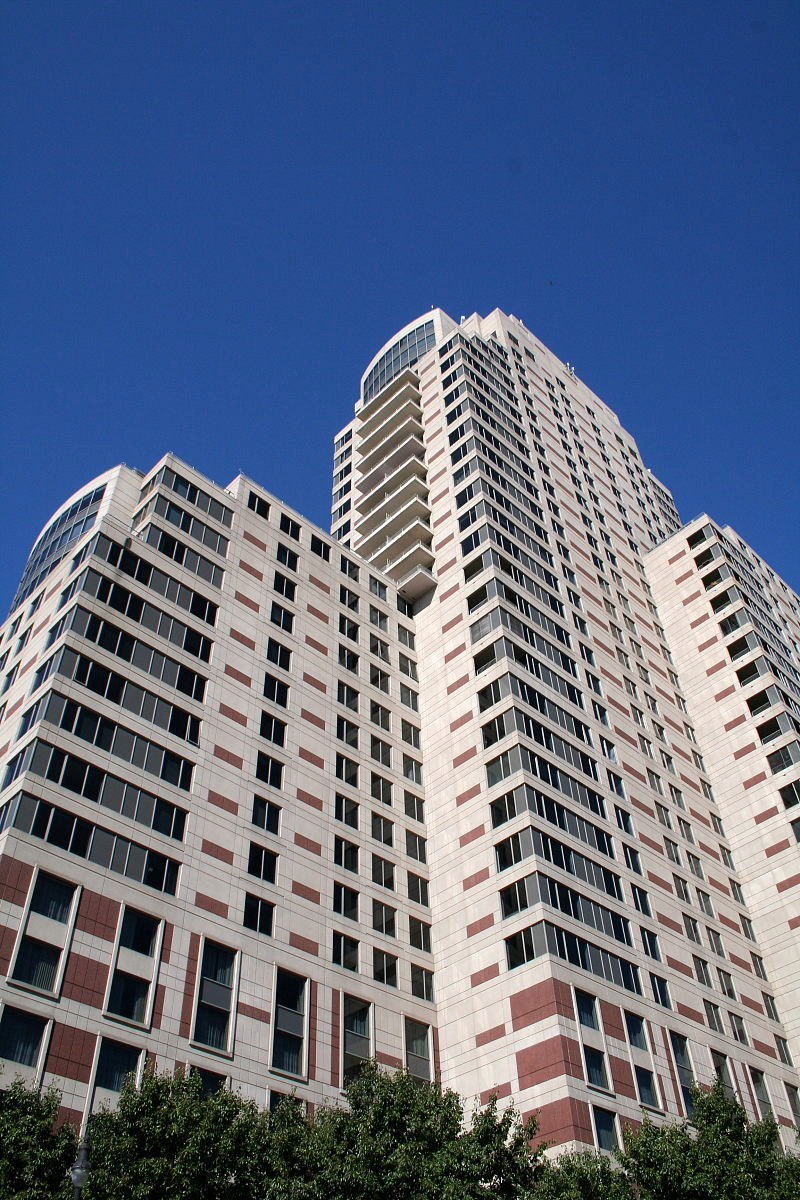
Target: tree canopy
{"x":395,"y":1139}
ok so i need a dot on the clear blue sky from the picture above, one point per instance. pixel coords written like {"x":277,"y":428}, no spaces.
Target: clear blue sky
{"x":213,"y":213}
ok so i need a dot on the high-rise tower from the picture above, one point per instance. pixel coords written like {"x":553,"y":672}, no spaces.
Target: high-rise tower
{"x":445,"y":787}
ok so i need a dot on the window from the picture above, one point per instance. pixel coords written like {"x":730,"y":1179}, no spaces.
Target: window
{"x":215,"y":996}
{"x":37,"y":964}
{"x":726,"y":983}
{"x":382,"y":872}
{"x":319,"y":547}
{"x":702,"y":971}
{"x":421,"y":982}
{"x":286,"y":556}
{"x":278,"y":654}
{"x":407,"y":666}
{"x":379,"y":678}
{"x":747,"y":928}
{"x":347,"y":695}
{"x":641,"y":900}
{"x":737,"y":1028}
{"x":680,"y":1051}
{"x":346,"y":811}
{"x":632,"y":858}
{"x":586,"y":1006}
{"x":409,"y":697}
{"x":276,"y":690}
{"x":269,"y":770}
{"x":660,"y":990}
{"x":412,"y":770}
{"x":418,"y":889}
{"x":415,"y":846}
{"x":650,"y":944}
{"x":345,"y":951}
{"x":262,"y":863}
{"x":281,"y":617}
{"x":770,"y":1007}
{"x":349,"y":568}
{"x":704,"y":900}
{"x":381,"y":751}
{"x":377,"y":588}
{"x":414,"y":806}
{"x":348,"y":598}
{"x":348,"y":659}
{"x":258,"y":914}
{"x":410,"y":733}
{"x":266,"y":814}
{"x":646,"y":1087}
{"x":348,"y":627}
{"x":115,"y":1063}
{"x":419,"y":934}
{"x":783,"y":1050}
{"x":715,"y":942}
{"x":624,"y":820}
{"x":52,"y":897}
{"x":713,"y":1016}
{"x":347,"y":770}
{"x":595,"y":1067}
{"x":384,"y":918}
{"x":378,"y":619}
{"x":356,"y":1040}
{"x":284,"y":587}
{"x":604,"y":1128}
{"x":692,"y":928}
{"x":289,"y":1023}
{"x":273,"y":729}
{"x":418,"y":1057}
{"x":345,"y":854}
{"x":345,"y":901}
{"x":384,"y":967}
{"x":382,"y":829}
{"x":695,"y":866}
{"x":347,"y":732}
{"x":758,"y":966}
{"x":290,"y":527}
{"x":139,"y":932}
{"x":636,"y":1031}
{"x":258,"y":505}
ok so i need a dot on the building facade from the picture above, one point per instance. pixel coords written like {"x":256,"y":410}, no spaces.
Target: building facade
{"x":451,"y":786}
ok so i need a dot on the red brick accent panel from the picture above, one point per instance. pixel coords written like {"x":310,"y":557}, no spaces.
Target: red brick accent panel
{"x":691,"y":1013}
{"x":251,"y":570}
{"x":678,"y":965}
{"x":251,"y":537}
{"x":454,"y":653}
{"x":210,"y":904}
{"x":309,"y":757}
{"x":220,"y":801}
{"x":313,"y":1023}
{"x":541,"y":1000}
{"x":764,"y":816}
{"x":336,"y":1005}
{"x":232,"y":714}
{"x":500,"y":1090}
{"x":566,"y":1120}
{"x":466,"y":838}
{"x":479,"y":977}
{"x":622,"y":1076}
{"x":312,"y":718}
{"x":668,"y":922}
{"x":166,"y":945}
{"x":316,"y":683}
{"x":453,"y":687}
{"x":315,"y":645}
{"x":323,"y":587}
{"x":303,"y":943}
{"x":307,"y":893}
{"x":454,"y":725}
{"x":158,"y":1005}
{"x":490,"y":1035}
{"x":7,"y":938}
{"x":306,"y":843}
{"x":229,"y":757}
{"x":85,"y":980}
{"x":185,"y":1027}
{"x":246,"y":601}
{"x":612,"y":1021}
{"x":239,"y":676}
{"x":388,"y":1060}
{"x":307,"y":798}
{"x":455,"y":621}
{"x":218,"y":852}
{"x":243,"y":639}
{"x":548,"y":1059}
{"x":15,"y":879}
{"x":70,"y":1053}
{"x":462,"y":797}
{"x":479,"y":925}
{"x":67,"y":1116}
{"x":97,"y":915}
{"x":255,"y":1014}
{"x":478,"y":877}
{"x":460,"y":759}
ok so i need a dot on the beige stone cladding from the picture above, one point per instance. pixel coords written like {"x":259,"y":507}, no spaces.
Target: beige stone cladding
{"x":734,"y":627}
{"x":205,"y":804}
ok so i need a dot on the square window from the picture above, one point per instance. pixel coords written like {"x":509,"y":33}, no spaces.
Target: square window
{"x":115,"y":1063}
{"x":21,"y":1036}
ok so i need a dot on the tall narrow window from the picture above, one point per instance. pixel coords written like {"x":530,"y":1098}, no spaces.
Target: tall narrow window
{"x":214,"y":1005}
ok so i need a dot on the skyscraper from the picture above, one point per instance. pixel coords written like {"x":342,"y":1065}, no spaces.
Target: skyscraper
{"x":443,"y":787}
